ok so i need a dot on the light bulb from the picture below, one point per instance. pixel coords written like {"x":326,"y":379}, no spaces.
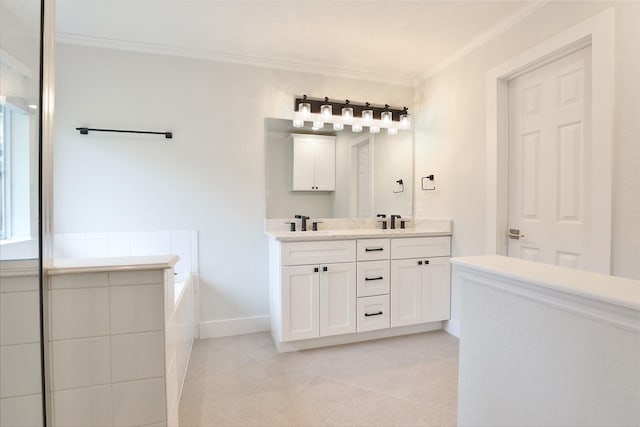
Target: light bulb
{"x":338,"y":126}
{"x":374,"y":129}
{"x":298,"y":123}
{"x":326,"y":111}
{"x":405,"y":121}
{"x":367,"y":115}
{"x":304,"y":108}
{"x":347,"y":113}
{"x":317,"y":125}
{"x":392,"y":131}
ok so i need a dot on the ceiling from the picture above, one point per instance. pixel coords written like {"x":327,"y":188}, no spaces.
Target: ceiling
{"x":395,"y":41}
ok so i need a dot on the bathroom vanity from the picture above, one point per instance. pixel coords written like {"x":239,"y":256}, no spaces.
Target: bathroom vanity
{"x":352,"y":281}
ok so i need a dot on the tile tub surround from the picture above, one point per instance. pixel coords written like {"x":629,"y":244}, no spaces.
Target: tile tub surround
{"x":353,"y":228}
{"x":119,"y":340}
{"x":183,"y":243}
{"x":20,"y":377}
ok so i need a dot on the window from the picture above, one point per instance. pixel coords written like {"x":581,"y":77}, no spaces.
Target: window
{"x":18,"y":173}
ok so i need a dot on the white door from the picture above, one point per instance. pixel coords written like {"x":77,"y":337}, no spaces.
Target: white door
{"x":406,"y":292}
{"x":337,"y":299}
{"x":364,"y":187}
{"x":300,"y":308}
{"x":549,"y":158}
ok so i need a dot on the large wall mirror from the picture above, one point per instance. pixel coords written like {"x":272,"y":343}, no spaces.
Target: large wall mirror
{"x":373,"y":174}
{"x":21,"y":379}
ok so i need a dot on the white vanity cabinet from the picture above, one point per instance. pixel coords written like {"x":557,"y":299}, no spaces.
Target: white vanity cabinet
{"x":420,"y":280}
{"x":313,"y":162}
{"x":317,"y":289}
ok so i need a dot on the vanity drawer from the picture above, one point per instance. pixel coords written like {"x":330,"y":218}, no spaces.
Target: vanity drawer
{"x":373,"y":249}
{"x":373,"y":278}
{"x":420,"y":247}
{"x":373,"y":313}
{"x":321,"y":252}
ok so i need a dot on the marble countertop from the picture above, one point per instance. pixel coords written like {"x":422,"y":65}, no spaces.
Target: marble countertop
{"x":363,"y":233}
{"x":95,"y":265}
{"x":614,"y":290}
{"x":356,"y":228}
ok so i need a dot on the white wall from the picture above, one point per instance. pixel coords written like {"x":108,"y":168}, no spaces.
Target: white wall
{"x":450,"y":132}
{"x":209,"y":177}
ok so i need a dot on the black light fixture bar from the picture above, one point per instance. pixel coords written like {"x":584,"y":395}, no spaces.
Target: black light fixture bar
{"x":357,"y":108}
{"x":85,"y":131}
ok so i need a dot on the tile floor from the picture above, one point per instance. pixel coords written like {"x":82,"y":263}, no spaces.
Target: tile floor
{"x":243,"y":381}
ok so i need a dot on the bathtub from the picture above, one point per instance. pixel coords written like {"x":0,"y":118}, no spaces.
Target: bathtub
{"x":181,"y":328}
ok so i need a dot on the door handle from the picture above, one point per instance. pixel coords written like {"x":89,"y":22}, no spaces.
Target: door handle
{"x":514,"y":233}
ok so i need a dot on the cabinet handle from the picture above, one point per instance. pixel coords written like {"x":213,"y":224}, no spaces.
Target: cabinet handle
{"x":373,"y":278}
{"x":325,"y":268}
{"x":419,"y":262}
{"x":373,"y":249}
{"x":426,"y":262}
{"x":373,"y":314}
{"x":315,"y":269}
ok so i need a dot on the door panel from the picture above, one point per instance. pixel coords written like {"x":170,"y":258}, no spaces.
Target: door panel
{"x":436,"y":290}
{"x":337,"y":299}
{"x":406,"y":292}
{"x":549,"y":154}
{"x":300,"y":297}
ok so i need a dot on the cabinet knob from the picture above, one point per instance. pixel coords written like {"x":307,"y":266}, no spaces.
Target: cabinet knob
{"x":426,"y":262}
{"x":325,"y":268}
{"x":315,"y":269}
{"x":419,"y":262}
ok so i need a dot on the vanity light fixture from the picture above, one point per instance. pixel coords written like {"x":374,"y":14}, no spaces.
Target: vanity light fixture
{"x":386,"y":115}
{"x":405,"y":121}
{"x":347,"y":113}
{"x":358,"y":116}
{"x":367,"y":114}
{"x":304,"y":108}
{"x":326,"y":110}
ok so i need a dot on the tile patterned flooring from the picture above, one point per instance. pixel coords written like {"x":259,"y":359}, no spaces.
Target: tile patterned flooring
{"x":410,"y":380}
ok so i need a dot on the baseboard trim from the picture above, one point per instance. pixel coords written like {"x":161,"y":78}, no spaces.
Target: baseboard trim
{"x":238,"y":326}
{"x":284,"y":347}
{"x":452,"y":327}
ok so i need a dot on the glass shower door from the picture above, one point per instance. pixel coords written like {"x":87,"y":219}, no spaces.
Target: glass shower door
{"x":21,"y":347}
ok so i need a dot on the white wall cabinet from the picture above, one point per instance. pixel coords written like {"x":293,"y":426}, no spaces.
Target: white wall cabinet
{"x":313,"y":162}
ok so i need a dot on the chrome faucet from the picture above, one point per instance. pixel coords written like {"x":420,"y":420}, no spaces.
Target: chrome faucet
{"x":303,"y":222}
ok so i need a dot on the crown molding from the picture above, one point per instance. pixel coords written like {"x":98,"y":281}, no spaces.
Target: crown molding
{"x":256,"y":61}
{"x":499,"y":28}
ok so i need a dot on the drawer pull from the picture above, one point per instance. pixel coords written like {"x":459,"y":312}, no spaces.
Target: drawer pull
{"x":373,"y":314}
{"x":373,"y":278}
{"x":373,"y":249}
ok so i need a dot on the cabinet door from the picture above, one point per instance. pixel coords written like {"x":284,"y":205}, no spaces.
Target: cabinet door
{"x":406,"y":292}
{"x":300,"y":302}
{"x":436,"y":290}
{"x":337,"y":299}
{"x":325,"y":164}
{"x":302,"y":165}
